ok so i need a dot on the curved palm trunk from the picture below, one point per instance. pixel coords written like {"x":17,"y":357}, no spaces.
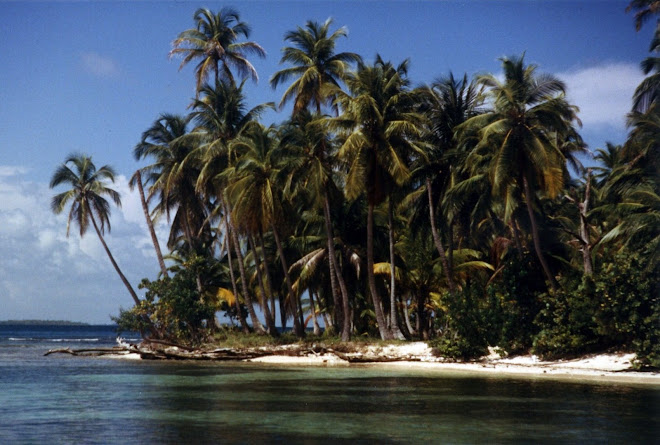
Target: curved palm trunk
{"x":394,"y":323}
{"x":269,"y":281}
{"x":315,"y":323}
{"x":516,"y":236}
{"x":406,"y":317}
{"x":114,"y":263}
{"x":584,"y":229}
{"x":264,"y":296}
{"x":256,"y":324}
{"x":336,"y":271}
{"x":297,"y":326}
{"x":337,"y":315}
{"x":150,"y":224}
{"x":437,"y":241}
{"x":535,"y":235}
{"x":241,"y":318}
{"x":385,"y":333}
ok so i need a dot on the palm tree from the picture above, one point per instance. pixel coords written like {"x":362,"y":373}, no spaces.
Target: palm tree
{"x":86,"y":197}
{"x":383,"y":128}
{"x":307,"y":136}
{"x":221,"y":116}
{"x":448,"y":102}
{"x":213,"y":42}
{"x":645,"y":9}
{"x":136,"y":181}
{"x":173,"y":178}
{"x":523,"y":132}
{"x":316,"y":68}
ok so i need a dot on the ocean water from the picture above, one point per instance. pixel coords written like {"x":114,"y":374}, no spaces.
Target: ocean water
{"x":65,"y":399}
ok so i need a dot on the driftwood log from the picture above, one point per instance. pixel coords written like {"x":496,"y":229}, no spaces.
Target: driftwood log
{"x":162,"y":350}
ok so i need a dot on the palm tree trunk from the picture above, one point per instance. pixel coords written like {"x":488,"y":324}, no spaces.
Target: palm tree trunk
{"x":334,"y":267}
{"x":437,"y":241}
{"x":516,"y":236}
{"x":535,"y":235}
{"x":317,"y":329}
{"x":584,"y":229}
{"x":394,"y":323}
{"x":114,"y":263}
{"x":406,"y":317}
{"x":385,"y":333}
{"x":150,"y":224}
{"x":232,"y":277}
{"x":269,"y":281}
{"x":256,"y":324}
{"x":270,"y":323}
{"x":297,"y":326}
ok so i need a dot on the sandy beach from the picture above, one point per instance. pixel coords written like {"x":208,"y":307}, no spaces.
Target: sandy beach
{"x":614,"y":367}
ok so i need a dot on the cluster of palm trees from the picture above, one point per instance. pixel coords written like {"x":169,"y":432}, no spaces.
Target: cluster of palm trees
{"x":375,"y":201}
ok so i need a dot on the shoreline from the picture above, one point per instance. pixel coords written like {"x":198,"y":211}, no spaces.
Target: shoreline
{"x":614,"y":368}
{"x":418,"y":356}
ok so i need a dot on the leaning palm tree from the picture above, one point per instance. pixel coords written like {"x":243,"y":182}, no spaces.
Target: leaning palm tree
{"x":318,"y":70}
{"x":383,"y":129}
{"x":524,"y":135}
{"x":86,"y":197}
{"x":644,"y":10}
{"x":213,"y":42}
{"x":136,"y":181}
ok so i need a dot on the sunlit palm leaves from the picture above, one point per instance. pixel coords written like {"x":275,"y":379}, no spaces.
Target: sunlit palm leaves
{"x":214,"y":44}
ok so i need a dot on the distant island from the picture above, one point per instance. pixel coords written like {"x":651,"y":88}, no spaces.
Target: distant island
{"x":42,"y":323}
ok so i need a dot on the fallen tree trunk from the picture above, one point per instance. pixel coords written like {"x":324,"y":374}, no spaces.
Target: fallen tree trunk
{"x":92,"y":351}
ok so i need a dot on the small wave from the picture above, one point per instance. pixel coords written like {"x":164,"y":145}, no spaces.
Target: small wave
{"x":19,"y":339}
{"x":72,"y":340}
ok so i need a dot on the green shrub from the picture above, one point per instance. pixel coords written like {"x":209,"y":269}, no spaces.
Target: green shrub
{"x":616,"y":307}
{"x":513,"y":304}
{"x":461,"y":330}
{"x":173,"y":307}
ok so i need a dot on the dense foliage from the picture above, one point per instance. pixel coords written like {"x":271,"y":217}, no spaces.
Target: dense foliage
{"x":458,"y":211}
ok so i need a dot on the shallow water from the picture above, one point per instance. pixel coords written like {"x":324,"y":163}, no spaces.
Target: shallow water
{"x":64,"y":399}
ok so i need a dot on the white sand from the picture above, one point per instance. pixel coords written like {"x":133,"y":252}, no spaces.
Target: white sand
{"x":418,"y":355}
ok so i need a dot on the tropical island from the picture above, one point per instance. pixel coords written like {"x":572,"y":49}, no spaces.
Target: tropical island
{"x":41,"y":323}
{"x":466,"y":213}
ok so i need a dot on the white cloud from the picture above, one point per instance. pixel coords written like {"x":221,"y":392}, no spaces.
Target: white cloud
{"x":603,"y":93}
{"x":98,"y":65}
{"x":47,"y":275}
{"x":12,"y":170}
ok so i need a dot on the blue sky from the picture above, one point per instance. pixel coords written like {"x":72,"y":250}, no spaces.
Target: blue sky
{"x":91,"y":76}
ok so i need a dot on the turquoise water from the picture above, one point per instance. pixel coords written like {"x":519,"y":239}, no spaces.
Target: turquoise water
{"x":64,"y":399}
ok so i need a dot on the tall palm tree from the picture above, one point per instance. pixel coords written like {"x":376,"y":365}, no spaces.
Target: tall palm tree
{"x":448,"y":102}
{"x":214,"y":43}
{"x":523,"y":132}
{"x":86,"y":197}
{"x":173,"y":179}
{"x":257,"y":197}
{"x":136,"y":181}
{"x":383,"y":130}
{"x":221,"y":116}
{"x":317,"y":69}
{"x":311,"y":170}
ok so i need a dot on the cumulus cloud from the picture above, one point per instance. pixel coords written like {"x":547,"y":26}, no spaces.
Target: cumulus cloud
{"x":603,"y":93}
{"x":47,"y":275}
{"x":98,"y":65}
